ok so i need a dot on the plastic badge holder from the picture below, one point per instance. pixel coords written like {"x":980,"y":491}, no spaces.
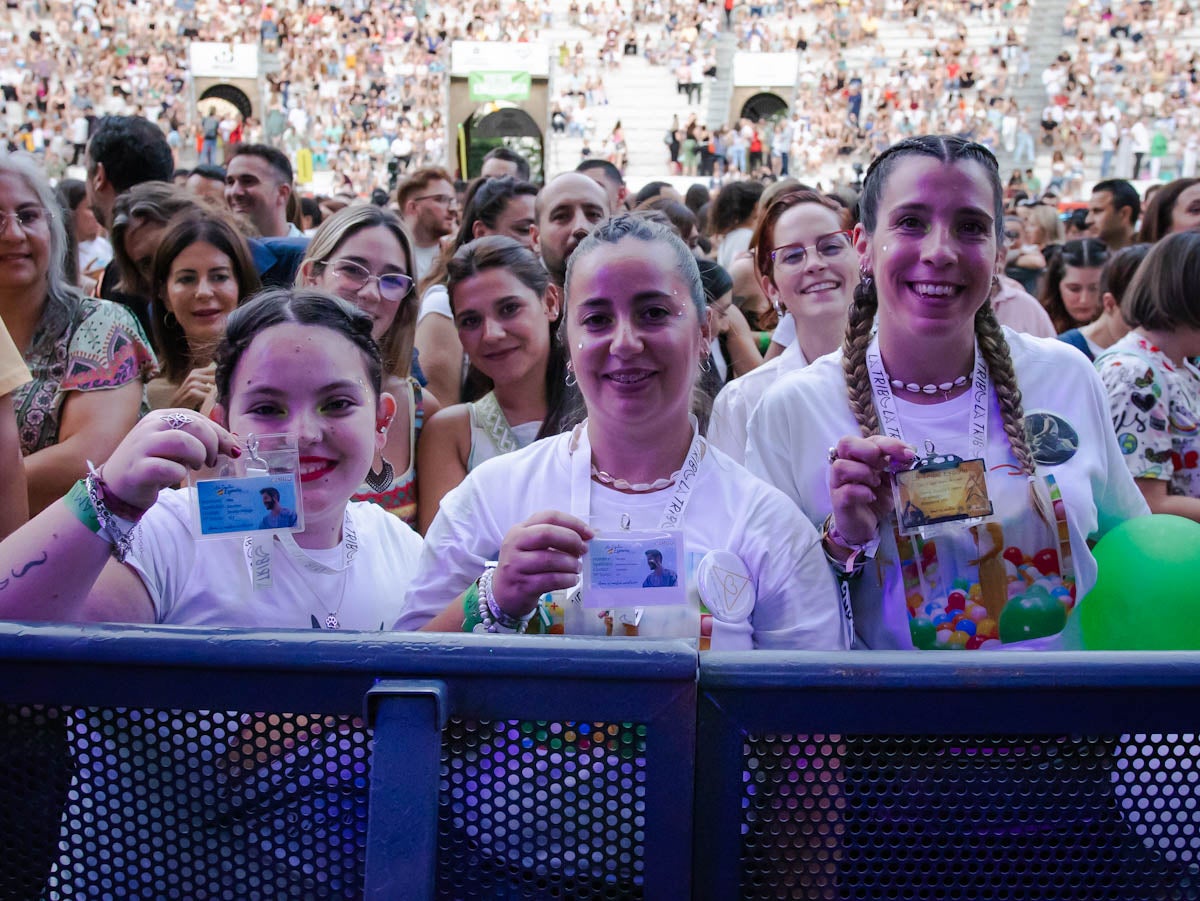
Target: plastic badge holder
{"x":634,"y":568}
{"x":941,"y":492}
{"x":256,"y":494}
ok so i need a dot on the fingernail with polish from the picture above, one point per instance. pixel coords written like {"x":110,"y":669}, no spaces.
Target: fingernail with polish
{"x":235,"y":452}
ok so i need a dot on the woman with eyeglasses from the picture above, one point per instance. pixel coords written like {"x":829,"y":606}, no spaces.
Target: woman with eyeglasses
{"x":89,"y":358}
{"x":807,"y":264}
{"x":493,"y":206}
{"x":364,"y":255}
{"x":1071,"y":294}
{"x":201,"y":273}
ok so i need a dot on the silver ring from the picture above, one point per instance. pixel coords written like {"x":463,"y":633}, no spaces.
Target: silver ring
{"x":833,"y":454}
{"x":177,"y":420}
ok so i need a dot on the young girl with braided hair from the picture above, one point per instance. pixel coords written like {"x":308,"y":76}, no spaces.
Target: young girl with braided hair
{"x":996,"y":446}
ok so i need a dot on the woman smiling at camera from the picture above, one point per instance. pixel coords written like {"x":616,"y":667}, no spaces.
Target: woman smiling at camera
{"x":298,"y":362}
{"x":363,"y":255}
{"x":504,"y":309}
{"x":635,"y":477}
{"x":806,"y":263}
{"x":1009,"y":461}
{"x":202,"y":271}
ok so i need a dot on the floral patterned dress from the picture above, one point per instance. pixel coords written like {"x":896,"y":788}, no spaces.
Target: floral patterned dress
{"x":81,"y":344}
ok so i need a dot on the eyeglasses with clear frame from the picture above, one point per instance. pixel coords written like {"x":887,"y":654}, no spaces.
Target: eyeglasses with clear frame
{"x":443,"y":199}
{"x":29,"y":218}
{"x":827,"y":247}
{"x":393,"y":286}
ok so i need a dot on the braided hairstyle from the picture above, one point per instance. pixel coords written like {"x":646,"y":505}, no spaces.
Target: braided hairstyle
{"x":948,"y":149}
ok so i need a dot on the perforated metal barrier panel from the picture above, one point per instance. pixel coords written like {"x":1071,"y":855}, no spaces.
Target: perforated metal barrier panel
{"x":971,"y":817}
{"x":542,"y":809}
{"x":183,"y":804}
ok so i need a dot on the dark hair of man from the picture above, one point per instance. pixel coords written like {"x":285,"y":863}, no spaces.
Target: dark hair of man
{"x":213,"y":173}
{"x":1123,"y":195}
{"x":132,"y":150}
{"x":510,"y":156}
{"x":649,"y":191}
{"x":611,"y":173}
{"x":276,"y":159}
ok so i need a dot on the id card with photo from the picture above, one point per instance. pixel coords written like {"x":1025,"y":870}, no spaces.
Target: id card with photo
{"x":635,"y":569}
{"x":941,"y":491}
{"x":257,"y":494}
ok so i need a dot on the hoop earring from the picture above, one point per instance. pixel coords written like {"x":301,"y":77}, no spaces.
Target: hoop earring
{"x":867,"y":281}
{"x":571,"y":380}
{"x":381,"y":481}
{"x":706,"y":363}
{"x":169,"y":319}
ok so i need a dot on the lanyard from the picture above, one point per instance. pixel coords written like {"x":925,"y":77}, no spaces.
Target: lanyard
{"x":258,"y":554}
{"x":580,"y":450}
{"x":889,"y":416}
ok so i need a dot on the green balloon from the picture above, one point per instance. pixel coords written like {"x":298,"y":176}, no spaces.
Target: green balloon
{"x":924,"y":632}
{"x":1145,"y":597}
{"x":1031,"y":615}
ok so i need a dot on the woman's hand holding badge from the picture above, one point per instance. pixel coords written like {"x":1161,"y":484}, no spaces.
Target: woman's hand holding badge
{"x":158,"y":452}
{"x":539,"y":555}
{"x":859,"y":487}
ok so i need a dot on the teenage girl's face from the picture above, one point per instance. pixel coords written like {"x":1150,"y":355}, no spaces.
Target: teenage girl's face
{"x":635,"y":337}
{"x":312,"y":382}
{"x":504,"y":326}
{"x":201,"y":291}
{"x":1080,"y":292}
{"x":379,"y":251}
{"x":815,"y":270}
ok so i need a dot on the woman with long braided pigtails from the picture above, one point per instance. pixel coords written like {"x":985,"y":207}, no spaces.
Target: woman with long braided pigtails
{"x":959,"y":468}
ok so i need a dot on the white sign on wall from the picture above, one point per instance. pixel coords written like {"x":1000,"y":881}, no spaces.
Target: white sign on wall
{"x":209,"y":59}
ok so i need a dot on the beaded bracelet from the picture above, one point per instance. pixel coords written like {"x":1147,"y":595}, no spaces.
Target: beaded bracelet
{"x":491,"y":614}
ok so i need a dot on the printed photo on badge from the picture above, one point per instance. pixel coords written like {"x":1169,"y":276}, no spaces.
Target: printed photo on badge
{"x":265,"y":503}
{"x":634,"y":569}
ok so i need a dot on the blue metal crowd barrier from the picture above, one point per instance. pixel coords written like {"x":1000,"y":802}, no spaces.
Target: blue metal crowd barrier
{"x":948,"y":776}
{"x":158,"y":763}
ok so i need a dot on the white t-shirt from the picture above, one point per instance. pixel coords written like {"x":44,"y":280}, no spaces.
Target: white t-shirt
{"x":737,"y":400}
{"x":785,"y":332}
{"x":807,"y":412}
{"x":436,"y":300}
{"x":207,"y":583}
{"x":734,"y":242}
{"x":423,"y":257}
{"x":796,"y":607}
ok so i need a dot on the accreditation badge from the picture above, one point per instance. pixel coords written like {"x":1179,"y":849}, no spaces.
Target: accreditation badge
{"x":941,"y":491}
{"x":635,"y":569}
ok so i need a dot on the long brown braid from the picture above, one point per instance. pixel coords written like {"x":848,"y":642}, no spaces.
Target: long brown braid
{"x":992,"y":344}
{"x":854,"y":356}
{"x":1000,"y":369}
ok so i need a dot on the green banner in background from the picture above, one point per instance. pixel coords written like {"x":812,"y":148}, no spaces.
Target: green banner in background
{"x":511,"y":86}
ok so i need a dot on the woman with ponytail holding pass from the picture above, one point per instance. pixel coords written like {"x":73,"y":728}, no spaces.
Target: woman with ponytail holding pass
{"x":962,"y":468}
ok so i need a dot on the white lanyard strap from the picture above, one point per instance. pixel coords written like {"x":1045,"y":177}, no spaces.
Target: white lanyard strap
{"x":258,"y":554}
{"x":889,"y":416}
{"x":580,"y":451}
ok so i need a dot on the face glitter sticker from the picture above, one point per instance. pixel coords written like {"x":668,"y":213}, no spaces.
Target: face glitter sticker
{"x":1052,"y":439}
